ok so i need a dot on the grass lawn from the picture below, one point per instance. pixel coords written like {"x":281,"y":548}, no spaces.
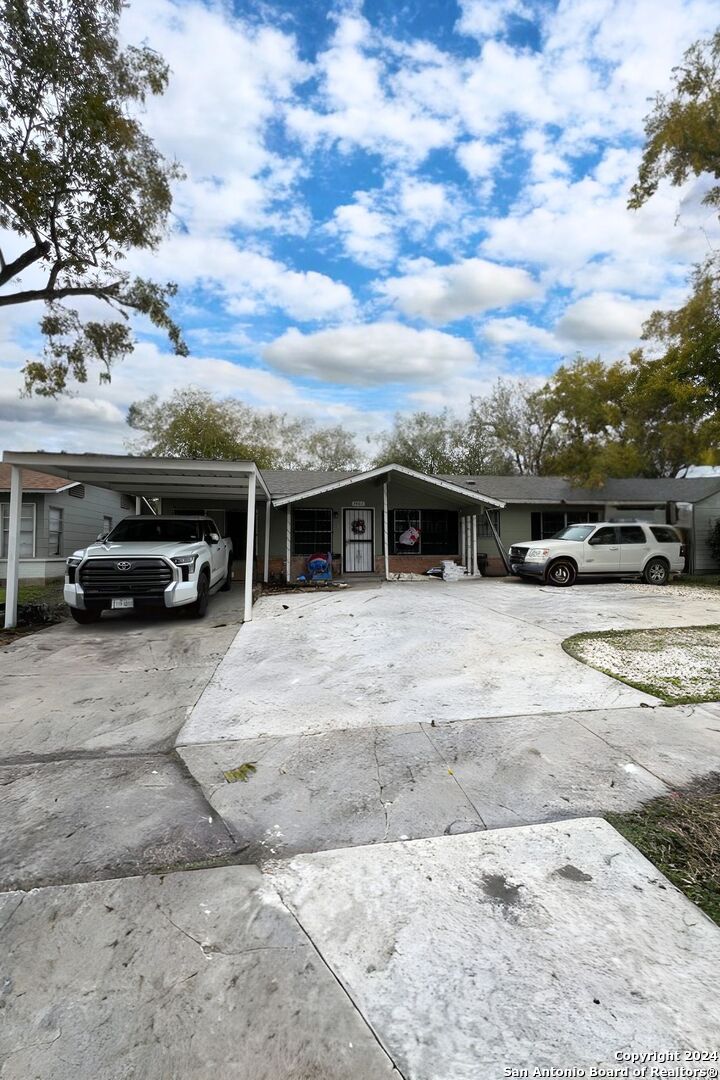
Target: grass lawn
{"x":679,"y":665}
{"x":680,"y":834}
{"x":702,"y":581}
{"x":52,"y":593}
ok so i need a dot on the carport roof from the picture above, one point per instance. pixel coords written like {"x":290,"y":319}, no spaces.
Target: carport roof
{"x":151,"y":477}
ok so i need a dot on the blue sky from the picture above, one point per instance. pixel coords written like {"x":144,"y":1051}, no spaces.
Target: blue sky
{"x":387,"y":206}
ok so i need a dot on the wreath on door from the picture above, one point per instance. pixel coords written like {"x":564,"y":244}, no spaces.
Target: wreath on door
{"x":358,"y":526}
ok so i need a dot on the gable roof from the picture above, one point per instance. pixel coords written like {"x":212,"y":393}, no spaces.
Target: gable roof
{"x":334,"y":482}
{"x":33,"y":481}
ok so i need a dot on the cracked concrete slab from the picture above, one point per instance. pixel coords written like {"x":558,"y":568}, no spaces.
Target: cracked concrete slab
{"x":200,"y":975}
{"x":311,"y":793}
{"x":121,"y":684}
{"x":97,"y":818}
{"x":546,"y":946}
{"x":527,"y":769}
{"x":406,"y":651}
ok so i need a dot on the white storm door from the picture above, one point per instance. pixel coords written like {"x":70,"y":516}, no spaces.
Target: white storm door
{"x":358,"y":539}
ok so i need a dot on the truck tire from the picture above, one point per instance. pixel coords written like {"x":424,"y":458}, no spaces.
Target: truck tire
{"x":227,"y":583}
{"x":657,"y":572}
{"x":85,"y":615}
{"x":198,"y":609}
{"x":562,"y":573}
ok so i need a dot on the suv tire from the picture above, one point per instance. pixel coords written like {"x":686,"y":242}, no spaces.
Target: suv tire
{"x":657,"y":572}
{"x":85,"y":615}
{"x":198,"y":609}
{"x":561,"y":573}
{"x":227,"y":583}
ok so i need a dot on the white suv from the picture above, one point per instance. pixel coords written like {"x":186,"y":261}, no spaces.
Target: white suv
{"x":602,"y":549}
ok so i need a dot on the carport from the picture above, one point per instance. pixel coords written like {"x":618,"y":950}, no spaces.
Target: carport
{"x":145,"y":478}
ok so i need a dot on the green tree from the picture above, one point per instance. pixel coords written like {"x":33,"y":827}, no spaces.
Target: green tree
{"x":81,"y":183}
{"x":682,"y":133}
{"x":194,"y":424}
{"x":439,"y":443}
{"x":516,"y":424}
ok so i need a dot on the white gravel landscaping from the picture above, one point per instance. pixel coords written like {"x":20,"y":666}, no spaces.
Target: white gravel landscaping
{"x":676,"y":664}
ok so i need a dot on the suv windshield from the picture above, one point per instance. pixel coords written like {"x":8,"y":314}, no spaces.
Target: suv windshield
{"x":156,"y":530}
{"x":574,"y":532}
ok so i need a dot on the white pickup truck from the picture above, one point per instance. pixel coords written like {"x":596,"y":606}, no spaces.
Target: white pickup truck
{"x":149,"y":561}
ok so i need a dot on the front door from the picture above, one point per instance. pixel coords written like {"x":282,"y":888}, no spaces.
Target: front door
{"x":358,"y":540}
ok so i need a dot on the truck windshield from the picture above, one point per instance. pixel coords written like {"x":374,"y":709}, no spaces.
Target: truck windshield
{"x":156,"y":530}
{"x":574,"y":532}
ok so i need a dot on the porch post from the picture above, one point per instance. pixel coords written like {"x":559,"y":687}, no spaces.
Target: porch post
{"x":266,"y":561}
{"x":462,"y":540}
{"x":288,"y":539}
{"x":13,"y":551}
{"x":249,"y":548}
{"x":138,"y":505}
{"x":386,"y":529}
{"x":467,"y":543}
{"x":473,"y":547}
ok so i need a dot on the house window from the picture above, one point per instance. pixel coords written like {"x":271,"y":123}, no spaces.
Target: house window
{"x":312,"y":531}
{"x":107,"y":525}
{"x":546,"y":523}
{"x":438,"y":532}
{"x":483,"y":525}
{"x":55,"y":531}
{"x":27,"y":530}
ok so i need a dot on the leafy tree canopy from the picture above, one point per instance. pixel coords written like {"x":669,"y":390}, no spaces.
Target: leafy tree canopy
{"x":683,"y":130}
{"x":81,"y":184}
{"x":193,"y":424}
{"x":440,"y":443}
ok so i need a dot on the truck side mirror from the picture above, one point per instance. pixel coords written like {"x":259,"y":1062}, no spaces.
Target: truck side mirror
{"x":213,"y":538}
{"x":102,"y":536}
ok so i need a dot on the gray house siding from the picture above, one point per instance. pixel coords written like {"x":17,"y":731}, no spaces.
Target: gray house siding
{"x":82,"y":520}
{"x":705,"y":515}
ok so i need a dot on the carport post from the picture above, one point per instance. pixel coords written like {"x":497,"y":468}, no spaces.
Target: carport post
{"x":385,"y":528}
{"x":266,"y":558}
{"x":463,"y":561}
{"x":138,"y":505}
{"x":13,"y":552}
{"x":287,"y":542}
{"x":249,"y":548}
{"x":473,"y":548}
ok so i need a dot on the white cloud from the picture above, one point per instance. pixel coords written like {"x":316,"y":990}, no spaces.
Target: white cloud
{"x":482,"y":18}
{"x":445,"y":293}
{"x":517,"y":331}
{"x":365,"y":233}
{"x":479,"y":159}
{"x":603,"y":319}
{"x":371,"y":354}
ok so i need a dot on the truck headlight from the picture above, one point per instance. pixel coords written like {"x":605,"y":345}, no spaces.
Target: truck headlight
{"x":73,"y":561}
{"x":185,"y":560}
{"x":537,"y":554}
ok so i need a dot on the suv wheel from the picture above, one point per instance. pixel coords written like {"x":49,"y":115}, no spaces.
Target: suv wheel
{"x":562,"y":573}
{"x":85,"y":615}
{"x":657,"y":572}
{"x":199,"y":608}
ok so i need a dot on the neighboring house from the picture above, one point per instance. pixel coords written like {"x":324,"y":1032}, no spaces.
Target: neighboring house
{"x":57,"y":518}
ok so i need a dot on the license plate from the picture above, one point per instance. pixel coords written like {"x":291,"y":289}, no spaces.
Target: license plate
{"x":122,"y":602}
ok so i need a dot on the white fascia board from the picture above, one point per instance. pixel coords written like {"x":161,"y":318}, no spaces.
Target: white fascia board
{"x":358,"y":478}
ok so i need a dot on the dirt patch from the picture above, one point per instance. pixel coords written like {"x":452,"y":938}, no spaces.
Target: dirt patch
{"x":680,"y":834}
{"x":680,"y":665}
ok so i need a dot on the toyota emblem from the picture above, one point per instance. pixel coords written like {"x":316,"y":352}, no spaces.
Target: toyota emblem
{"x":124,"y":565}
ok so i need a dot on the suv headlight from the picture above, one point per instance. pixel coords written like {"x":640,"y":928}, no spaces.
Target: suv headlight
{"x":185,"y":560}
{"x":537,"y":554}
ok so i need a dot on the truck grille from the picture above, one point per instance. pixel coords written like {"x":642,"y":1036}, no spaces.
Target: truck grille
{"x":517,"y":555}
{"x":146,"y":577}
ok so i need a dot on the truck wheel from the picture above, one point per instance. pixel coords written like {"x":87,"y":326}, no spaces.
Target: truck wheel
{"x":562,"y":573}
{"x":657,"y":572}
{"x":85,"y":615}
{"x":199,"y":607}
{"x":227,"y":583}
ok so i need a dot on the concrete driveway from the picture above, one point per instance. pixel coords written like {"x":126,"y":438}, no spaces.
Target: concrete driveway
{"x":417,"y":709}
{"x":90,"y":785}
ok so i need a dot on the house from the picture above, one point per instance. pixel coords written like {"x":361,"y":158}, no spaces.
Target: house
{"x":277,"y":518}
{"x":57,"y":518}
